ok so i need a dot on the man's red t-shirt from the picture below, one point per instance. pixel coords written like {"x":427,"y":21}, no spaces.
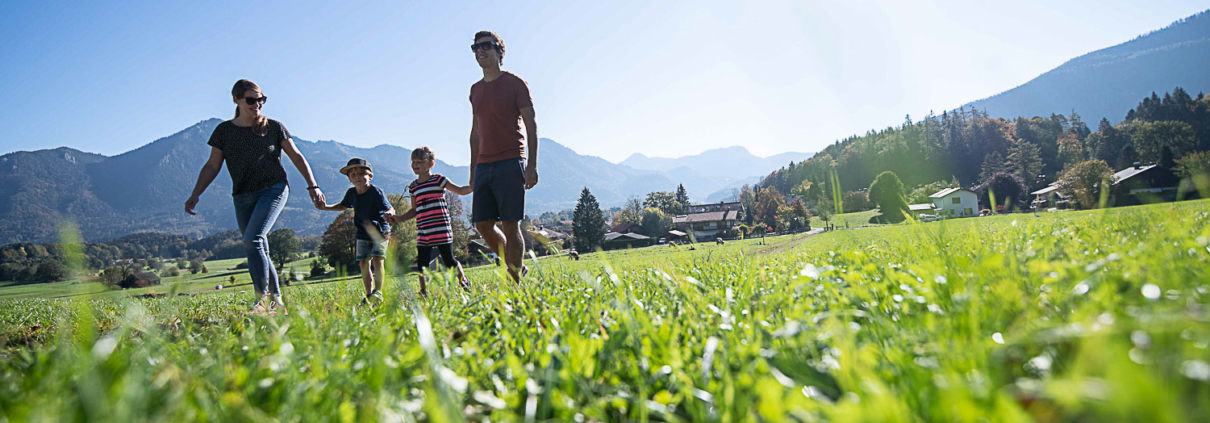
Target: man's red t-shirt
{"x":497,"y":107}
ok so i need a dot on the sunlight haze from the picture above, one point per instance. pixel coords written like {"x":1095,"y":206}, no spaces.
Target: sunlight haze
{"x":662,"y":79}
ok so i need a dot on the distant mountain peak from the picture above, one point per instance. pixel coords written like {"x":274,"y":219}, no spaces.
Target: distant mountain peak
{"x":1108,"y":82}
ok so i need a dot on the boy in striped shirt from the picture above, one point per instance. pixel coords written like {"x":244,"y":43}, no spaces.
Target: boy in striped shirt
{"x":433,"y":229}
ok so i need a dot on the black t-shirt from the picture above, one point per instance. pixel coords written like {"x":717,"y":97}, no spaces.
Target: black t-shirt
{"x":368,"y":209}
{"x":253,"y":161}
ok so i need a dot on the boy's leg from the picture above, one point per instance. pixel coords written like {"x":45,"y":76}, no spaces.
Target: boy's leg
{"x":379,"y":274}
{"x":367,"y":278}
{"x":377,"y":258}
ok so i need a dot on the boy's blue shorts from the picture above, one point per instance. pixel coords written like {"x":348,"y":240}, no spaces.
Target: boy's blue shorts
{"x":499,"y":191}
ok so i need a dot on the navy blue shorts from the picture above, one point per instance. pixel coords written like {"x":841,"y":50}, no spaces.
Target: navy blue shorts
{"x":499,"y":191}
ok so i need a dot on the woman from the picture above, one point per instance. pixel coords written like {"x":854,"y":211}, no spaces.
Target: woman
{"x":252,"y":144}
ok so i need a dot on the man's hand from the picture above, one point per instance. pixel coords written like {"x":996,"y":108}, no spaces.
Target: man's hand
{"x":531,"y":176}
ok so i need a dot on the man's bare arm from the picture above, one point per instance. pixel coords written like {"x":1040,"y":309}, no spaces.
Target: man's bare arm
{"x":531,"y":136}
{"x":474,"y":149}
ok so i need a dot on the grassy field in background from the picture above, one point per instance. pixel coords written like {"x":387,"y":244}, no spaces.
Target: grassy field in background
{"x":1082,"y":316}
{"x":219,"y":273}
{"x":847,"y":219}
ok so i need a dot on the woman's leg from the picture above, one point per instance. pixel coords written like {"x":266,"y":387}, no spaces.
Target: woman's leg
{"x":269,"y":204}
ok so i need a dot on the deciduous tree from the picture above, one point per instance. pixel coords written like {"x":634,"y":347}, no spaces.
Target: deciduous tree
{"x":1086,"y":183}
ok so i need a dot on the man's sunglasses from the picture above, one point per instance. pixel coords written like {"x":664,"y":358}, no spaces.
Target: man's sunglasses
{"x":253,"y":100}
{"x":485,"y":45}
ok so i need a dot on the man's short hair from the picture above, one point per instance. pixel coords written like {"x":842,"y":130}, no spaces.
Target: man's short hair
{"x":495,"y":38}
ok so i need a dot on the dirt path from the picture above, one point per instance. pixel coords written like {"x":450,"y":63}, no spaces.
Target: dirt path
{"x":777,"y":248}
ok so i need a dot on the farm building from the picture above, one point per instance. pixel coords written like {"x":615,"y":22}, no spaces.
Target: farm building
{"x":675,"y":236}
{"x":1143,"y":185}
{"x":956,"y":202}
{"x":917,"y":209}
{"x":1049,"y":197}
{"x":627,"y":228}
{"x":614,"y":240}
{"x":707,"y":225}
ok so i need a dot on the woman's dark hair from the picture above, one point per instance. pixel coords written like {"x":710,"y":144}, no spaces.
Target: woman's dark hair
{"x":495,"y":38}
{"x":261,"y":126}
{"x":424,"y":153}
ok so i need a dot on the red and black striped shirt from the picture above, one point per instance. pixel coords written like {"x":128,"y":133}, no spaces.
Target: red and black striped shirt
{"x":432,"y":212}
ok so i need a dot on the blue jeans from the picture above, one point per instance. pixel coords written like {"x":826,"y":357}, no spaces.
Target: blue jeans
{"x":256,"y":212}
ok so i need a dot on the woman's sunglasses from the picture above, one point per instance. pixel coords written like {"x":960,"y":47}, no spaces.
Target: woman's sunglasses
{"x":485,"y":45}
{"x":253,"y":100}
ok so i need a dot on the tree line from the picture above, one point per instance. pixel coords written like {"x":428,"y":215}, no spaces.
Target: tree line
{"x":147,"y":251}
{"x":966,"y":148}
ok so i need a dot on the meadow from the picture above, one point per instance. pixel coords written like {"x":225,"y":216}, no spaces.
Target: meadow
{"x":1077,"y":316}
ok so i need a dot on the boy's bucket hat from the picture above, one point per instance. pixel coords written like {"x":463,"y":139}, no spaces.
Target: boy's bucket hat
{"x":355,"y":163}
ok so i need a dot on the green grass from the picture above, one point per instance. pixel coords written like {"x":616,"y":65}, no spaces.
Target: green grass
{"x":219,"y":273}
{"x":854,"y":219}
{"x":1084,"y":316}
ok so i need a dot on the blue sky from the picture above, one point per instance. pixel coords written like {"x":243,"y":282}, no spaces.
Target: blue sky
{"x":660,"y":78}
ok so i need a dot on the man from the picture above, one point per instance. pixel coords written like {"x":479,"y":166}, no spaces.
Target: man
{"x":500,"y":174}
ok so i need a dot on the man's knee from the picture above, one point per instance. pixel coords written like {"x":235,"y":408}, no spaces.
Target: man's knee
{"x":486,"y":227}
{"x":512,"y":229}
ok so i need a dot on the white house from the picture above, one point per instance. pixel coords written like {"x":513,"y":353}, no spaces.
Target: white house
{"x":956,"y":202}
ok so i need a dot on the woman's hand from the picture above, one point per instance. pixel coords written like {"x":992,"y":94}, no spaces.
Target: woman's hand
{"x":317,"y":197}
{"x":190,"y":204}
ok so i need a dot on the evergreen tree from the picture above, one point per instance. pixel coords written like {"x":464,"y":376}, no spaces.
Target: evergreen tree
{"x":1025,"y":161}
{"x":682,"y":197}
{"x":993,"y":163}
{"x":588,"y":223}
{"x":1151,"y":138}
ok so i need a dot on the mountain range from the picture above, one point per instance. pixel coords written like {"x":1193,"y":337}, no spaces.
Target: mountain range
{"x":715,"y":172}
{"x":1106,"y":83}
{"x":144,"y":189}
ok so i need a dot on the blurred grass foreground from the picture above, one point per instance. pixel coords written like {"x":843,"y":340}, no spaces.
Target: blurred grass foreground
{"x":1076,"y":316}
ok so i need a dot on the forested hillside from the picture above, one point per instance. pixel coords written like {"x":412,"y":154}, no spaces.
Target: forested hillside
{"x":962,"y":148}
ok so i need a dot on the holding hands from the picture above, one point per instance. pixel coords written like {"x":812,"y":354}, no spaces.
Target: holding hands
{"x":317,"y":197}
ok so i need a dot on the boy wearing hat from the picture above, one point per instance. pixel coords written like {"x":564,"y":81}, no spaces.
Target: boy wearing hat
{"x":370,"y":212}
